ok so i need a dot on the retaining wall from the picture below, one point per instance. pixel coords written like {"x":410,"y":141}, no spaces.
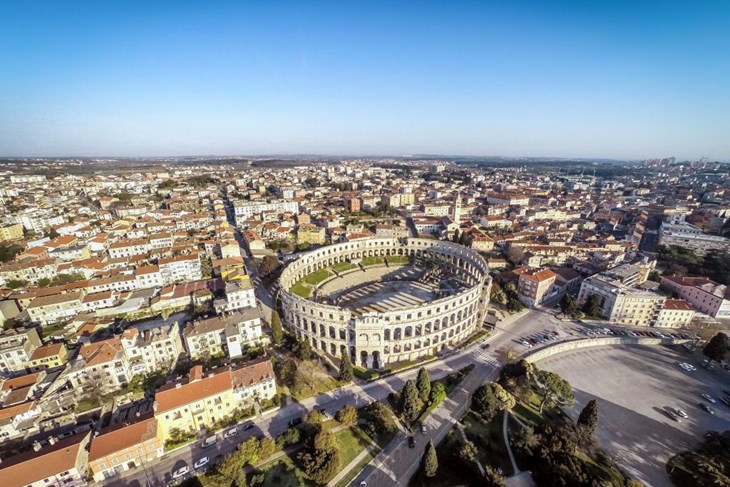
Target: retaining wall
{"x":597,"y":342}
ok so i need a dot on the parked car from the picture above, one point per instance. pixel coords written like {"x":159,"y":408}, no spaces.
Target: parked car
{"x":681,"y":412}
{"x":295,"y":422}
{"x":209,"y":441}
{"x":231,"y":432}
{"x":411,"y":442}
{"x":201,"y":463}
{"x":706,"y":408}
{"x":248,"y":426}
{"x":180,"y":472}
{"x":709,"y":398}
{"x":423,"y":428}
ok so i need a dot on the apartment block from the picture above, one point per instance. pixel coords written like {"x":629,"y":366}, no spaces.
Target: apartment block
{"x":691,"y":237}
{"x":534,"y":286}
{"x":51,"y":309}
{"x":152,"y":348}
{"x":622,"y":304}
{"x":705,"y":295}
{"x":180,"y":268}
{"x":16,"y":349}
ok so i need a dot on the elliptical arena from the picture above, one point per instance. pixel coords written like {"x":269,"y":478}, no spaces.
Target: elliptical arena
{"x":385,"y":300}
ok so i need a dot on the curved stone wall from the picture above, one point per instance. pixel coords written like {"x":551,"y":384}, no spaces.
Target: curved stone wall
{"x":571,"y":345}
{"x":375,"y":339}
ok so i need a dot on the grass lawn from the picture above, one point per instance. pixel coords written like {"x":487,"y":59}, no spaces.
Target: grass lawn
{"x":283,"y":473}
{"x":529,"y":412}
{"x":372,"y":260}
{"x":47,"y":331}
{"x":355,"y":471}
{"x":314,"y":380}
{"x":317,"y":276}
{"x":489,"y":440}
{"x":448,"y":474}
{"x":604,"y":471}
{"x":398,"y":259}
{"x":300,"y":288}
{"x":87,"y":405}
{"x":351,"y":441}
{"x":343,"y":266}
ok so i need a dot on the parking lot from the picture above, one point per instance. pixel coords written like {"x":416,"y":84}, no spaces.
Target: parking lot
{"x":634,"y":386}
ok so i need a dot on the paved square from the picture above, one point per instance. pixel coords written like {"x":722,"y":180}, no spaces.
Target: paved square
{"x":633,"y":385}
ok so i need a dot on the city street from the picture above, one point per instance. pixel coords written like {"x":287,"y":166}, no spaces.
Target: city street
{"x":273,"y":423}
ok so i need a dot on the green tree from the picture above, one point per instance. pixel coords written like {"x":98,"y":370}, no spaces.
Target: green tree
{"x":269,"y":264}
{"x":592,"y":306}
{"x":320,"y":458}
{"x":492,"y":477}
{"x":497,"y":294}
{"x":717,"y":347}
{"x":15,"y":284}
{"x":588,"y":418}
{"x":410,"y":404}
{"x":438,"y":393}
{"x":467,"y":453}
{"x":379,"y":420}
{"x":267,"y":447}
{"x":346,"y":371}
{"x":347,"y":415}
{"x":53,"y":233}
{"x":430,"y":461}
{"x":303,"y":349}
{"x":277,"y":332}
{"x":455,"y":239}
{"x":8,"y":252}
{"x":491,"y":398}
{"x":423,"y":384}
{"x":568,"y":305}
{"x":555,"y":389}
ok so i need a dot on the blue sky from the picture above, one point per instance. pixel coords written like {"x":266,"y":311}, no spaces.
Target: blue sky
{"x":632,"y":79}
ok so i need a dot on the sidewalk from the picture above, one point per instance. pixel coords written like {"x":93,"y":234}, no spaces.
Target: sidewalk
{"x":354,"y":463}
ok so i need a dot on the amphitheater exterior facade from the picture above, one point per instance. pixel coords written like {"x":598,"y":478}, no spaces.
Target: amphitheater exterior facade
{"x":375,"y":339}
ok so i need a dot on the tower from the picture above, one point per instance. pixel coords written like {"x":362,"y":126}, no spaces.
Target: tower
{"x":456,"y":209}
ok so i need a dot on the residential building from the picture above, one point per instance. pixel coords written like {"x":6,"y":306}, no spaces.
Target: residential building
{"x":129,"y":248}
{"x":621,"y":304}
{"x":254,"y":381}
{"x":16,"y":347}
{"x":195,"y":404}
{"x":123,"y":447}
{"x":217,"y":335}
{"x":51,"y":309}
{"x":11,"y":232}
{"x":691,"y":237}
{"x":180,"y":268}
{"x":63,"y":464}
{"x":48,"y":356}
{"x":102,"y":365}
{"x":239,"y":294}
{"x":310,"y":234}
{"x":534,"y":286}
{"x":246,"y":210}
{"x":152,"y":348}
{"x":705,"y":295}
{"x":32,"y":271}
{"x":676,"y":313}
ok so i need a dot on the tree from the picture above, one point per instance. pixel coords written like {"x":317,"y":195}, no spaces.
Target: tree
{"x":303,"y":349}
{"x":423,"y":384}
{"x":320,"y":458}
{"x":269,"y":264}
{"x":467,"y":453}
{"x":568,"y":305}
{"x":588,"y":417}
{"x":497,"y":294}
{"x":53,"y":233}
{"x":346,"y":372}
{"x":717,"y":347}
{"x":347,"y":415}
{"x":438,"y":393}
{"x":8,"y":252}
{"x":592,"y":306}
{"x":456,"y":236}
{"x":410,"y":404}
{"x":379,"y":419}
{"x":492,"y":477}
{"x":430,"y":461}
{"x":491,"y":398}
{"x":277,"y":332}
{"x":555,"y":389}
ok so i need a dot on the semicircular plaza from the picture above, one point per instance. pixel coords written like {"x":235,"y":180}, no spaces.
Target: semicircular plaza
{"x":385,"y":300}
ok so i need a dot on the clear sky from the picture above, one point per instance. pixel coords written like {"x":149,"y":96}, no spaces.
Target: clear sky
{"x":622,"y":79}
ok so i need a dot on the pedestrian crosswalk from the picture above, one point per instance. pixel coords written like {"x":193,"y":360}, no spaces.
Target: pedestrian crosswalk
{"x":485,"y":357}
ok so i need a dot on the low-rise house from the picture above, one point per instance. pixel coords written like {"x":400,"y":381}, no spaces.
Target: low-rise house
{"x":147,"y":277}
{"x":535,"y":285}
{"x":102,"y":365}
{"x":180,"y":268}
{"x":51,"y":309}
{"x":100,"y":300}
{"x":254,"y":381}
{"x":64,"y":463}
{"x":128,"y":248}
{"x":17,"y":419}
{"x":48,"y":357}
{"x":217,"y":335}
{"x":16,"y":348}
{"x":705,"y":295}
{"x":152,"y":348}
{"x":194,"y":405}
{"x":676,"y":313}
{"x":239,"y":294}
{"x":30,"y":271}
{"x":123,"y":447}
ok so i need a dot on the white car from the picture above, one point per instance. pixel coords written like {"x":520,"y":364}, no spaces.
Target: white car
{"x":180,"y":472}
{"x":681,"y":413}
{"x":709,"y":398}
{"x":230,"y":432}
{"x":527,"y":344}
{"x":201,"y":463}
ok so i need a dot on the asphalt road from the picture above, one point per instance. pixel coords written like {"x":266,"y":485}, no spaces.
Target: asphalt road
{"x":633,"y":387}
{"x":273,"y":423}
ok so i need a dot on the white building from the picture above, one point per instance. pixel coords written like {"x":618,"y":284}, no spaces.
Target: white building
{"x":180,"y":268}
{"x":239,"y":294}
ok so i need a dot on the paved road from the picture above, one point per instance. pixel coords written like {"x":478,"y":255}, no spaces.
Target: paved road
{"x":273,"y":423}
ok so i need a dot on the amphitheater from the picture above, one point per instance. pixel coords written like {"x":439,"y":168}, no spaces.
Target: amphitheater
{"x":385,"y":300}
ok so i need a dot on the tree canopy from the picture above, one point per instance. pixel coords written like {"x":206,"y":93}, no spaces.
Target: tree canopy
{"x":717,"y":347}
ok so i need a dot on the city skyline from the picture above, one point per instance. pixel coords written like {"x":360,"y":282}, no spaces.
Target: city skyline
{"x":570,"y":81}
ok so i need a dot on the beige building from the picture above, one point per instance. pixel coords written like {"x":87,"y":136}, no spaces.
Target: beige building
{"x":124,"y":447}
{"x":64,"y":463}
{"x":11,"y":232}
{"x":50,"y":309}
{"x":16,"y":348}
{"x":311,"y":235}
{"x":534,"y":286}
